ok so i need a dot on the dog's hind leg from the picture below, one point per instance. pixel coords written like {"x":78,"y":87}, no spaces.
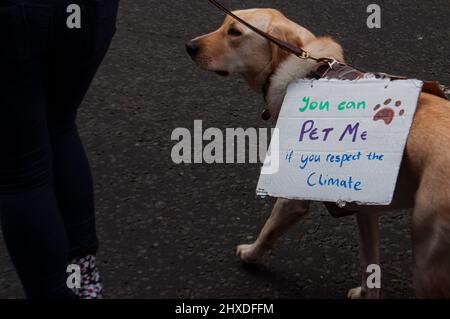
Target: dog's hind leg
{"x":369,"y":252}
{"x":285,"y":214}
{"x":431,"y":243}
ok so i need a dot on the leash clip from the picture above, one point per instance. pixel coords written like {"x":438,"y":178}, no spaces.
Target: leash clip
{"x":304,"y":55}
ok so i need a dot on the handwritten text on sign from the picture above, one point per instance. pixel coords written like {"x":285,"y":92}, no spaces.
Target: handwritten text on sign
{"x":341,"y":140}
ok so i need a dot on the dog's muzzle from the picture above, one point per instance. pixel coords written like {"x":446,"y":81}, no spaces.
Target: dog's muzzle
{"x":192,"y":49}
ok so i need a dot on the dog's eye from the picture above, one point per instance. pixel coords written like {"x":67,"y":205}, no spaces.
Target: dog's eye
{"x":234,"y":32}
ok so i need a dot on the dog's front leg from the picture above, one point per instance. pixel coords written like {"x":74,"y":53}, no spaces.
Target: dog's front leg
{"x":285,"y":214}
{"x":369,"y":252}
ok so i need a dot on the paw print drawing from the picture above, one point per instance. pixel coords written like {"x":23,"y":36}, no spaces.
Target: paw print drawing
{"x":387,"y":112}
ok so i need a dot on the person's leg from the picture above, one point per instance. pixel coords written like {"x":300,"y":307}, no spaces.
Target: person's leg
{"x":75,"y":196}
{"x":73,"y":185}
{"x":78,"y":53}
{"x":36,"y":240}
{"x":31,"y":222}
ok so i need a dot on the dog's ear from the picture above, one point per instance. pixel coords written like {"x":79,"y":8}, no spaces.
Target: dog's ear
{"x":286,"y":34}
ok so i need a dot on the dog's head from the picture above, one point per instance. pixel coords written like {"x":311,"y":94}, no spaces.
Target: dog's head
{"x":235,"y":49}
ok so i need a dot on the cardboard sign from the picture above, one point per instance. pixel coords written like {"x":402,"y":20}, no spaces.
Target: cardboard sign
{"x":340,"y":141}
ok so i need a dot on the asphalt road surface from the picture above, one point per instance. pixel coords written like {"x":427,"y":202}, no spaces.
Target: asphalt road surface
{"x":169,"y":231}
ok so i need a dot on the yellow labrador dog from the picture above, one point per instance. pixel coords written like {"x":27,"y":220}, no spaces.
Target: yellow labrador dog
{"x":424,"y":181}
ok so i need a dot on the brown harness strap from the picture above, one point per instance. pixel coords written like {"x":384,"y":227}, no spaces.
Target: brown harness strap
{"x":433,"y":87}
{"x":346,"y":72}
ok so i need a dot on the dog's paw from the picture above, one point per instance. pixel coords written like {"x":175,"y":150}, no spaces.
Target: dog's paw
{"x":359,"y":293}
{"x":248,"y":253}
{"x":355,"y":293}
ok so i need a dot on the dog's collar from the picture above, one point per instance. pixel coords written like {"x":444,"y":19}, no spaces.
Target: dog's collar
{"x":266,"y":86}
{"x":265,"y":91}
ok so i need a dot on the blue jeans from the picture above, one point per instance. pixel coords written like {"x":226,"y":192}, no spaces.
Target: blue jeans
{"x":46,"y":194}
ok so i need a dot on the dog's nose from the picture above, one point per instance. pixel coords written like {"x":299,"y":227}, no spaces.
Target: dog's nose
{"x":192,"y":48}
